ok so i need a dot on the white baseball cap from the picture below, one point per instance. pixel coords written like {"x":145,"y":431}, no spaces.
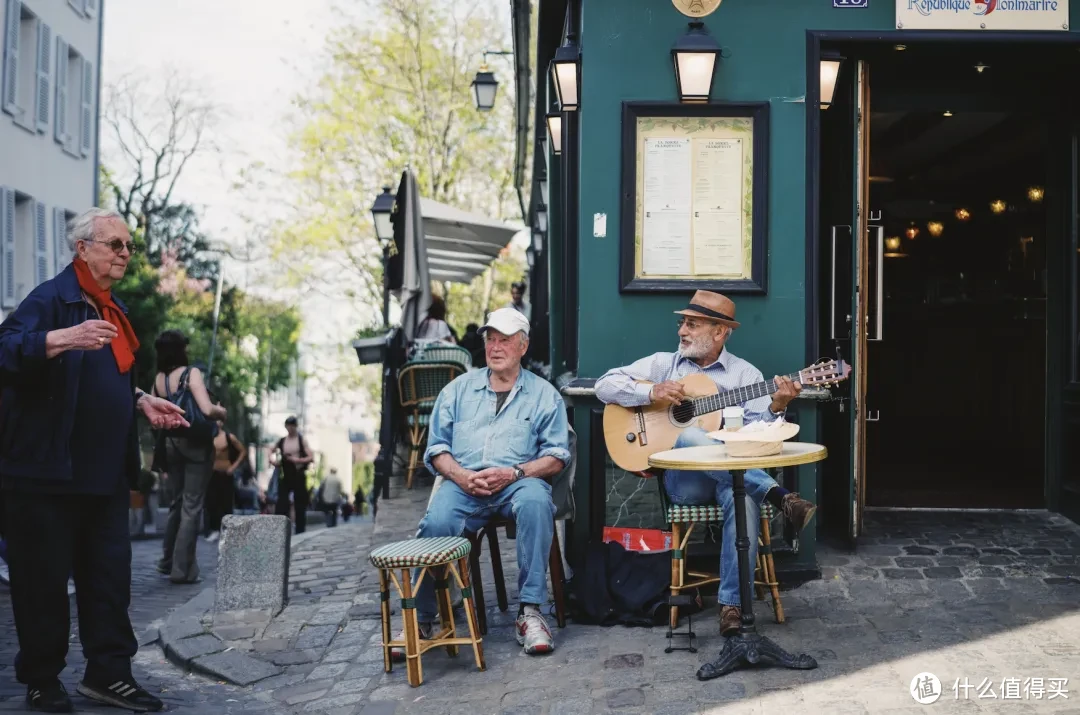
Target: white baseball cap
{"x":507,"y":321}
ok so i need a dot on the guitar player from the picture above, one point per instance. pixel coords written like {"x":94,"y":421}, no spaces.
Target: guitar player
{"x":705,"y":327}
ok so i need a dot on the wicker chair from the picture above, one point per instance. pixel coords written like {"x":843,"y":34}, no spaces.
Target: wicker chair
{"x":682,"y":520}
{"x":419,"y":383}
{"x":443,"y":352}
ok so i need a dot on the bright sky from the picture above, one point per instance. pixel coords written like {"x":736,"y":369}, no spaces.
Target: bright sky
{"x":251,"y":56}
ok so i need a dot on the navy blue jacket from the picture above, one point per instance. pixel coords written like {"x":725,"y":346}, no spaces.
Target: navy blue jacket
{"x":37,"y":405}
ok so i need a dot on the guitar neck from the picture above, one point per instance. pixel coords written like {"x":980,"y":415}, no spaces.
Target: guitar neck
{"x":737,"y":396}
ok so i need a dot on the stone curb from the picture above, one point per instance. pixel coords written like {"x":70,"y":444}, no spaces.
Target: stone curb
{"x":188,"y":640}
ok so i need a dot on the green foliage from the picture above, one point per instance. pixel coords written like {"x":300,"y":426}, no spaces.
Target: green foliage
{"x":396,"y":93}
{"x":364,"y":476}
{"x":470,"y":303}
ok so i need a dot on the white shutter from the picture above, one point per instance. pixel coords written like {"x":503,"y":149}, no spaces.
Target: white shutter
{"x":61,"y":252}
{"x":13,"y":18}
{"x":44,"y":57}
{"x":7,"y":248}
{"x":76,"y":5}
{"x":87,"y":114}
{"x":90,"y":8}
{"x":41,"y":245}
{"x":60,"y":125}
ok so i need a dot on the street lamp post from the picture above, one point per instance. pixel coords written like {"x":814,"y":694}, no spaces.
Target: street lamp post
{"x":384,"y":231}
{"x":484,"y":85}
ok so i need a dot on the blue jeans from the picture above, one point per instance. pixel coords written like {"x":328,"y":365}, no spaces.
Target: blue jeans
{"x":695,"y":488}
{"x":453,"y":513}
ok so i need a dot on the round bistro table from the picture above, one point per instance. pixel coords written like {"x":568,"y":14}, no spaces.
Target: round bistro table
{"x":747,"y":647}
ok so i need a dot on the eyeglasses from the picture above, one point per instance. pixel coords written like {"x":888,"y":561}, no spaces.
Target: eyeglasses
{"x":117,"y":246}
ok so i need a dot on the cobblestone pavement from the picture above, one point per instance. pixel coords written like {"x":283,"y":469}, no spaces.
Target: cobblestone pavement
{"x":152,"y":597}
{"x":986,"y":597}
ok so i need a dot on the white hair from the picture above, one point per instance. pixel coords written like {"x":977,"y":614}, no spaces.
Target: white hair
{"x":81,"y":228}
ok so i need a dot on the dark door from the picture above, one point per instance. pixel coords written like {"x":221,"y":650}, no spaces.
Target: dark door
{"x":844,"y":177}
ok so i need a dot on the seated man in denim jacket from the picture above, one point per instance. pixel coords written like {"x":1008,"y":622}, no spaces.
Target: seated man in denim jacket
{"x":495,"y":434}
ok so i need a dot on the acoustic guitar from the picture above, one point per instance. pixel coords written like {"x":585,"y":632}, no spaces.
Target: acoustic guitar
{"x":632,"y":434}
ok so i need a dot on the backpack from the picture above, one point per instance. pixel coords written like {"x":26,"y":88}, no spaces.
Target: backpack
{"x":202,"y":429}
{"x":303,"y":452}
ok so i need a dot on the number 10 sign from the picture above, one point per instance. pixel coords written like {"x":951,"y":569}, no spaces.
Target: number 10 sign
{"x":849,"y":3}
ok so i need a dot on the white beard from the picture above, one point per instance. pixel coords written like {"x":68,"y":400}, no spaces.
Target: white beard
{"x":697,"y":348}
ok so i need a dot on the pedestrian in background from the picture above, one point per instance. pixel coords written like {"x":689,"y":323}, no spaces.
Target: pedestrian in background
{"x":331,"y":491}
{"x":229,"y":455}
{"x":293,"y":455}
{"x":69,"y":454}
{"x":188,"y":457}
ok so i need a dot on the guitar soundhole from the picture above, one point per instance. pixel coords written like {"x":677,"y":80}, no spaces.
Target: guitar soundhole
{"x":683,"y":414}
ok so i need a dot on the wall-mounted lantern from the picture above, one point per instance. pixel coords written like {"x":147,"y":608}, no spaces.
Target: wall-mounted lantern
{"x":554,"y":125}
{"x":694,"y":56}
{"x":565,"y":69}
{"x":830,"y":70}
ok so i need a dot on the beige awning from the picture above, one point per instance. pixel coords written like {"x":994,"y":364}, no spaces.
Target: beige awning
{"x":460,"y":245}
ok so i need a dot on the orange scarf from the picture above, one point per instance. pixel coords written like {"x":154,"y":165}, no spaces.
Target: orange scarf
{"x":124,"y":344}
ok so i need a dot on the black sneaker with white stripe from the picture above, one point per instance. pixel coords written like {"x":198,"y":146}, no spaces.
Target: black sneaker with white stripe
{"x":124,"y":693}
{"x":51,"y":698}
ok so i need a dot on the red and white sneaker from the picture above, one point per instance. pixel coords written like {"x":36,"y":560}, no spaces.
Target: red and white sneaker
{"x":533,"y":633}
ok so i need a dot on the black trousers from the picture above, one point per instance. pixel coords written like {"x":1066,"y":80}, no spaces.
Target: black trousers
{"x":219,"y":500}
{"x":296,"y":482}
{"x":50,"y":536}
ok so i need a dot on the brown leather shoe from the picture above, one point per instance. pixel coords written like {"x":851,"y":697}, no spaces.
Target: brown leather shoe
{"x":730,"y":620}
{"x":797,"y":510}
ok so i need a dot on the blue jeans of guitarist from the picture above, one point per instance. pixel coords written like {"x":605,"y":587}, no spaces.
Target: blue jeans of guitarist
{"x":692,"y":488}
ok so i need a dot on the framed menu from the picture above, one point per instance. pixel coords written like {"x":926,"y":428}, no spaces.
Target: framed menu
{"x":694,"y":197}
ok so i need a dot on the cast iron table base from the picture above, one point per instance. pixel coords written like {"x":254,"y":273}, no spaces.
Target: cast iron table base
{"x":748,"y":647}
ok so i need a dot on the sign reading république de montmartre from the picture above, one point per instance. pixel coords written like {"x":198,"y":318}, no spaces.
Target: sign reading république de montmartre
{"x":982,"y":14}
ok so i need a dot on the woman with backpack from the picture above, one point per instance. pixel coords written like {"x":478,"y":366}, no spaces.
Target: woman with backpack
{"x":188,"y":454}
{"x":229,"y":455}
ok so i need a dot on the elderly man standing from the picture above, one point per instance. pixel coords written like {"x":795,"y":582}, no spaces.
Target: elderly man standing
{"x":496,"y":433}
{"x":69,"y":454}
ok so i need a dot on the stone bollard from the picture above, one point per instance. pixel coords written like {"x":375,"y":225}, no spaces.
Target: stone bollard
{"x":253,"y":564}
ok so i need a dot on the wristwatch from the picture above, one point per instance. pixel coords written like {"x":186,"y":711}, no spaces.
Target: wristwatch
{"x":519,"y":473}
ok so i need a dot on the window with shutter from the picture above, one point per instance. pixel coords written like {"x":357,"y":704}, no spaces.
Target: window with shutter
{"x":90,"y":8}
{"x":12,"y":29}
{"x":44,"y":57}
{"x":87,"y":117}
{"x":41,"y":245}
{"x":60,"y":124}
{"x":7,"y":248}
{"x":77,"y":6}
{"x":61,"y":252}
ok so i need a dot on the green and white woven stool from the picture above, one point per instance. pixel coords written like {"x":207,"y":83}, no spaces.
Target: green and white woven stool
{"x":683,"y":519}
{"x":443,"y":557}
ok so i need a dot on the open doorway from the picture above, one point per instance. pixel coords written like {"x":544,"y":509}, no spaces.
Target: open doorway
{"x":941,"y":197}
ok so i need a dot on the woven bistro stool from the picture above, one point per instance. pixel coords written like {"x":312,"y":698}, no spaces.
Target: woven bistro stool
{"x":442,"y":557}
{"x":683,"y":519}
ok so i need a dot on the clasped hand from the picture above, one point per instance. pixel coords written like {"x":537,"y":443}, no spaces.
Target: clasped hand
{"x":487,"y":481}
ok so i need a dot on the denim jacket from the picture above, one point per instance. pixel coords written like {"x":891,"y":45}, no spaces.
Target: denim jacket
{"x":532,"y":423}
{"x":37,"y":406}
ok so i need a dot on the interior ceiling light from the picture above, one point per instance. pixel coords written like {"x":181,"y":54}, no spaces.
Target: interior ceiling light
{"x":912,"y":233}
{"x":1036,"y":193}
{"x":962,"y":214}
{"x":892,"y":243}
{"x":935,"y":228}
{"x":980,"y":68}
{"x":899,"y":48}
{"x":997,"y":206}
{"x":947,"y":113}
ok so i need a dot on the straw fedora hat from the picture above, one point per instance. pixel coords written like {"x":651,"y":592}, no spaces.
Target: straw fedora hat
{"x":711,"y":306}
{"x":763,"y":442}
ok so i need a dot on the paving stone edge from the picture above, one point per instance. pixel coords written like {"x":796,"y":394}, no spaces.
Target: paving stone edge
{"x":190,"y":621}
